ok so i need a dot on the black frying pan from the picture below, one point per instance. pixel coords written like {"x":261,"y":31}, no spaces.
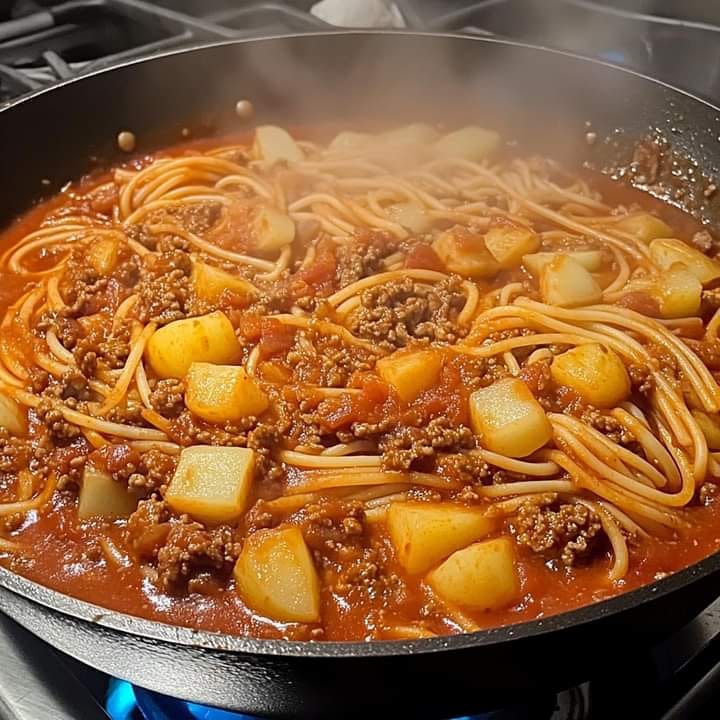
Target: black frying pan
{"x":548,"y":101}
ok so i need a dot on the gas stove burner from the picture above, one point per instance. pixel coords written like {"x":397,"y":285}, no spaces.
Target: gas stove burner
{"x":125,"y":702}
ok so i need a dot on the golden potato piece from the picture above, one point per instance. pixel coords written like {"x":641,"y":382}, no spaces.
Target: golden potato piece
{"x":12,"y":416}
{"x":223,"y":393}
{"x":679,"y":292}
{"x":481,"y":576}
{"x":665,"y":252}
{"x":594,"y":372}
{"x":210,"y":282}
{"x":426,"y":533}
{"x":212,"y":483}
{"x":273,"y":230}
{"x":276,"y":577}
{"x":508,"y":419}
{"x":590,"y":259}
{"x":102,"y":254}
{"x":566,"y":283}
{"x":469,"y":143}
{"x":509,"y":243}
{"x":273,"y":143}
{"x":208,"y":338}
{"x":644,"y":226}
{"x":411,"y":373}
{"x":464,"y":253}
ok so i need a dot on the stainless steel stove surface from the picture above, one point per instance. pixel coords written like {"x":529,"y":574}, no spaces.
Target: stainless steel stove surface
{"x":43,"y":42}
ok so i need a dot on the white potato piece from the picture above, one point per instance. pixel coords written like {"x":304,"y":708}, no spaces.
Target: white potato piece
{"x":101,"y":496}
{"x":273,"y":230}
{"x":223,"y":393}
{"x":348,"y":140}
{"x":414,"y":134}
{"x":590,"y":259}
{"x":276,"y":577}
{"x":679,"y":292}
{"x":423,"y":534}
{"x":212,"y":483}
{"x":665,"y":252}
{"x":411,"y":216}
{"x":593,"y":371}
{"x":644,"y":226}
{"x":464,"y":253}
{"x":274,"y":143}
{"x":482,"y":576}
{"x":410,"y":373}
{"x":210,"y":282}
{"x":102,"y":254}
{"x":566,"y":283}
{"x":12,"y":416}
{"x":207,"y":338}
{"x":508,"y":419}
{"x":469,"y":143}
{"x":508,"y":243}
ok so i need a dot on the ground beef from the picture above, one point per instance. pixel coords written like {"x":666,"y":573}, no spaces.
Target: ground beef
{"x":59,"y":429}
{"x":102,"y":346}
{"x":609,"y":427}
{"x":332,"y":363}
{"x":168,"y":397}
{"x":164,"y":289}
{"x":467,"y":468}
{"x":705,"y":243}
{"x":356,"y":261}
{"x":394,"y":314}
{"x":641,"y":378}
{"x":567,"y":532}
{"x":708,"y":493}
{"x":190,"y":548}
{"x":403,"y":446}
{"x":198,"y":218}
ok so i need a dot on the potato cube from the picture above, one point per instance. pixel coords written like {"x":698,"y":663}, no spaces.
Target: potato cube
{"x":102,"y":254}
{"x":679,"y":292}
{"x":223,"y":393}
{"x":566,"y":283}
{"x":464,"y":253}
{"x":644,"y":226}
{"x":508,"y":419}
{"x":348,"y":140}
{"x":468,"y":143}
{"x":414,"y":134}
{"x":508,"y":243}
{"x":210,"y":282}
{"x":411,"y":216}
{"x":208,"y":338}
{"x":481,"y":576}
{"x":12,"y":416}
{"x":426,"y":533}
{"x":212,"y":483}
{"x":594,"y":372}
{"x":590,"y":259}
{"x":273,"y":231}
{"x":276,"y":577}
{"x":101,"y":496}
{"x":274,"y":143}
{"x":710,"y":426}
{"x":665,"y":252}
{"x":410,"y":373}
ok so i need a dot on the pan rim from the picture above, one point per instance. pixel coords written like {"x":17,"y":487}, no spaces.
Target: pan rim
{"x":176,"y":635}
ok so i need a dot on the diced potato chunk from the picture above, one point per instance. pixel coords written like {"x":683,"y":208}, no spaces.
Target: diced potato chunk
{"x":276,"y":577}
{"x":566,"y":283}
{"x":414,"y":134}
{"x":508,"y":243}
{"x":274,"y":143}
{"x":481,"y":576}
{"x":665,"y":252}
{"x":410,"y":216}
{"x":349,"y":140}
{"x":12,"y":416}
{"x":469,"y":143}
{"x":590,"y":259}
{"x":594,"y":372}
{"x":101,"y":496}
{"x":273,"y":230}
{"x":508,"y":419}
{"x":644,"y":226}
{"x":426,"y":533}
{"x":212,"y":483}
{"x":210,"y":282}
{"x":223,"y":393}
{"x":464,"y":253}
{"x":710,"y":426}
{"x":410,"y":373}
{"x":679,"y":292}
{"x":102,"y":254}
{"x":208,"y":338}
